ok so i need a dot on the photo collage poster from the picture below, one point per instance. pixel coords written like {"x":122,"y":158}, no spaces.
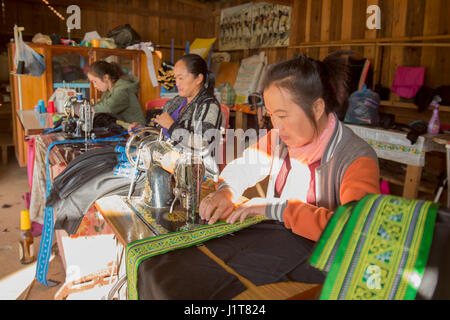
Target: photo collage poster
{"x":254,"y":25}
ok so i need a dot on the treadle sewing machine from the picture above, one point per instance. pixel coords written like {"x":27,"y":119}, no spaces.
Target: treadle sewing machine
{"x":150,"y":154}
{"x":79,"y":120}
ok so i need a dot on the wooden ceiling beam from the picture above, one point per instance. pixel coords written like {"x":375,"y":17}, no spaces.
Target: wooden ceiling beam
{"x":122,"y":9}
{"x":194,"y":3}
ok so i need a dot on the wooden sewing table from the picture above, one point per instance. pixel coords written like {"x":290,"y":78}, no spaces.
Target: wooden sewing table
{"x":33,"y":122}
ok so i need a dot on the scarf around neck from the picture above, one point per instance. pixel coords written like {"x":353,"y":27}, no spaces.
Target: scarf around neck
{"x":313,"y":152}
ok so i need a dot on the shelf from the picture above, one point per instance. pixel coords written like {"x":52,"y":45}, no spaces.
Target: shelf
{"x":407,"y":105}
{"x":72,"y":85}
{"x":399,"y":179}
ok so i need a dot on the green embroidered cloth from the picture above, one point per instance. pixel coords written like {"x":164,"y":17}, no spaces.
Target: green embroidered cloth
{"x":376,"y":249}
{"x":138,"y":251}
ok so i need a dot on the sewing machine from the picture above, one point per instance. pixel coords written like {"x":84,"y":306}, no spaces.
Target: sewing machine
{"x":79,"y":121}
{"x":166,"y":185}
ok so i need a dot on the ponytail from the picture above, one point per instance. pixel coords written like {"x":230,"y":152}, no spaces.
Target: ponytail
{"x":210,"y":82}
{"x":334,"y":74}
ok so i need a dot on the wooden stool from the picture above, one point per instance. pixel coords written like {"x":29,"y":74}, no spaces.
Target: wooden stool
{"x":5,"y":142}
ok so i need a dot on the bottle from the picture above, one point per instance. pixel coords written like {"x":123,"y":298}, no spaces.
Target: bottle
{"x":26,"y":243}
{"x":41,"y":104}
{"x":434,"y":125}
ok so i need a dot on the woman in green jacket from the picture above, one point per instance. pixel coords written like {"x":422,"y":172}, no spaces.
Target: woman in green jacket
{"x":119,"y":92}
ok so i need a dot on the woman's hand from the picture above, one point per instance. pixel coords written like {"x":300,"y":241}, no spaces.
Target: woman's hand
{"x":217,"y":205}
{"x":253,"y":207}
{"x":164,"y":120}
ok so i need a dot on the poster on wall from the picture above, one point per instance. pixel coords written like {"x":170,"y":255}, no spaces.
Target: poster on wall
{"x":258,"y":25}
{"x":235,"y":27}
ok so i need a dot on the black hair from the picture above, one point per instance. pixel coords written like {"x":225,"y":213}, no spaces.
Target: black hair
{"x":197,"y":65}
{"x":101,"y":68}
{"x":307,"y":80}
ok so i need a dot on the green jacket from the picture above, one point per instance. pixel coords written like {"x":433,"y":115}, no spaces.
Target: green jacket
{"x":122,"y":101}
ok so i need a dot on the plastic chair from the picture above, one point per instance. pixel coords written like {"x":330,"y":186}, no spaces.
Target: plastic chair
{"x":156,"y":103}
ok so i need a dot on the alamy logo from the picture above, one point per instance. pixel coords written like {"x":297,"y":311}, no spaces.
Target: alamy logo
{"x":374,"y":280}
{"x":374,"y":20}
{"x":74,"y":20}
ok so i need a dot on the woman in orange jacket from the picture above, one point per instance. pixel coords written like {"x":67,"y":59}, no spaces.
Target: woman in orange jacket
{"x":314,"y":162}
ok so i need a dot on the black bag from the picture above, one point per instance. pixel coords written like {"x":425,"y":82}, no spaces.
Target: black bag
{"x":424,"y":97}
{"x":124,"y":36}
{"x":81,"y":169}
{"x":444,"y":93}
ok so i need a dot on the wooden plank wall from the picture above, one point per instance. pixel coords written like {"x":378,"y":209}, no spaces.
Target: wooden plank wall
{"x":324,"y":22}
{"x":316,"y":22}
{"x":158,"y":21}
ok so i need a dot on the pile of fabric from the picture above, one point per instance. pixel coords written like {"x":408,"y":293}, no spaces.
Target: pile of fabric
{"x":166,"y":77}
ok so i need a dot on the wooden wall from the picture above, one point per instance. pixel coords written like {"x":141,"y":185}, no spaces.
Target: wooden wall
{"x":323,"y":24}
{"x":319,"y":27}
{"x":158,"y":21}
{"x":320,"y":24}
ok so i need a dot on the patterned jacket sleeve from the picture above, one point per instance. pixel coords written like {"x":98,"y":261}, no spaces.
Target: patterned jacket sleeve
{"x":206,"y":116}
{"x":197,"y":130}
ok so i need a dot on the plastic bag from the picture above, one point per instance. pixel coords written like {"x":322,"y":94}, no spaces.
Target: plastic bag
{"x":363,"y":108}
{"x":60,"y":96}
{"x":227,"y":94}
{"x":124,"y":36}
{"x":28,"y":61}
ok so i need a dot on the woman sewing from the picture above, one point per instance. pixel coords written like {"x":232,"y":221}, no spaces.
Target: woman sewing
{"x":192,"y":113}
{"x":195,"y":105}
{"x":315,"y":164}
{"x":119,"y":92}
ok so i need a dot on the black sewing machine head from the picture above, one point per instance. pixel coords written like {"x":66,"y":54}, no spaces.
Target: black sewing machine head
{"x":79,"y":118}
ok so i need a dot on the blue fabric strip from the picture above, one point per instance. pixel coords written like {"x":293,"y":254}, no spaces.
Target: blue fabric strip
{"x":45,"y":247}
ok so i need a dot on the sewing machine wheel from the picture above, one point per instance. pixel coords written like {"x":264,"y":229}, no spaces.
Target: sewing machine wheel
{"x":138,"y":139}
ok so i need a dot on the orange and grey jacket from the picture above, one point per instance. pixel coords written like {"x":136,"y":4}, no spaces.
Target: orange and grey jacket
{"x":348,"y":171}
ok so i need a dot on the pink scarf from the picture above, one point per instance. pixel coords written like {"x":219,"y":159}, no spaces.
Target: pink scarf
{"x":313,"y":152}
{"x":310,"y":155}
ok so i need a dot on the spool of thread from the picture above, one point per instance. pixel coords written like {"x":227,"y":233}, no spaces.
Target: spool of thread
{"x":51,"y":107}
{"x":41,"y":105}
{"x":25,"y":222}
{"x":95,"y":43}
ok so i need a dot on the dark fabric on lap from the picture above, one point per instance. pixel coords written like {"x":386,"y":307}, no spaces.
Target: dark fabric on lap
{"x":264,"y":253}
{"x":268,"y":253}
{"x":436,"y":279}
{"x":186,"y":274}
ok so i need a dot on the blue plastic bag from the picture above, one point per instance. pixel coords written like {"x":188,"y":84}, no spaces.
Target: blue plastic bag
{"x":363,"y":108}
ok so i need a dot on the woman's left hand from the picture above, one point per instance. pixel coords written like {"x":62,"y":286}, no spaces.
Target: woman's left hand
{"x":253,"y":207}
{"x":164,"y":120}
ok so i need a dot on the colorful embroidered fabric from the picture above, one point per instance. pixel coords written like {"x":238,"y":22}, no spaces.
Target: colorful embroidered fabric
{"x":376,"y":249}
{"x":138,"y":251}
